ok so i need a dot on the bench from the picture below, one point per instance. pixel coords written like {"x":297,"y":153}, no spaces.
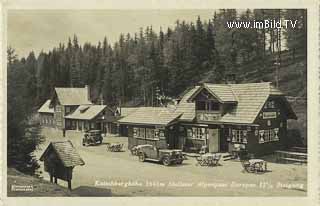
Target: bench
{"x":299,"y":149}
{"x":293,"y":160}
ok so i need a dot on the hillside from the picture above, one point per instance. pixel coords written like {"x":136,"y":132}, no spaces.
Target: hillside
{"x":292,"y":74}
{"x":40,"y":187}
{"x":43,"y":188}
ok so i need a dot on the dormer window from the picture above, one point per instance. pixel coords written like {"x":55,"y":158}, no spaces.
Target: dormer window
{"x":207,"y":105}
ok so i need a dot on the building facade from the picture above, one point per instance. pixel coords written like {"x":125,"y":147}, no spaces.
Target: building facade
{"x":71,"y":109}
{"x":223,"y":117}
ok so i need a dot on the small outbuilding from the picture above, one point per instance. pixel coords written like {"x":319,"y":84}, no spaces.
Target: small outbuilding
{"x":59,"y":160}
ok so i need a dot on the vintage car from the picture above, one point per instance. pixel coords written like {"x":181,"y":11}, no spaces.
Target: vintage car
{"x":165,"y":156}
{"x":92,"y":137}
{"x":135,"y":149}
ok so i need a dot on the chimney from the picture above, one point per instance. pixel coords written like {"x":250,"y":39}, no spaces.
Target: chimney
{"x":231,"y":78}
{"x":101,"y":99}
{"x":88,"y":92}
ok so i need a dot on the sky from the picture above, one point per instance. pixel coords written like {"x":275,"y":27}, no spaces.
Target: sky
{"x":36,"y":30}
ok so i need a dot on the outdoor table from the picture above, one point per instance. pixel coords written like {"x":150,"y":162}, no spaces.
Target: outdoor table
{"x":208,"y":155}
{"x":114,"y":147}
{"x":259,"y":163}
{"x":208,"y":159}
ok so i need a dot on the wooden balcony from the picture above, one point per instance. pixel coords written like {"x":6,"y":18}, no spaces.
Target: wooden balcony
{"x":208,"y":115}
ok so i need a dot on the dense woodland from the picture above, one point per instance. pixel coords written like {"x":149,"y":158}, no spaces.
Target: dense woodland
{"x":147,"y":67}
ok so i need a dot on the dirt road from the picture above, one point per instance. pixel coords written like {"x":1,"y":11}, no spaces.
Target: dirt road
{"x":126,"y":176}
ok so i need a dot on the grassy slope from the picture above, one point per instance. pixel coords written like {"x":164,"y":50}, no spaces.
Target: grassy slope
{"x":40,"y":187}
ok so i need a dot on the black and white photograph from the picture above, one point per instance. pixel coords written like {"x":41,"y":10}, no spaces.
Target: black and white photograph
{"x":157,"y":102}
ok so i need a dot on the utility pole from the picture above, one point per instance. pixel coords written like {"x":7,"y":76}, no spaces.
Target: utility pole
{"x":277,"y":63}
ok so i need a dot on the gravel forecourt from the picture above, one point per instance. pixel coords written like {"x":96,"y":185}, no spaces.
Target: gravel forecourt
{"x":124,"y":175}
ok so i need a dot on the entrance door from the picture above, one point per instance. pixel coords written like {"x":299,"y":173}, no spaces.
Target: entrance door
{"x":223,"y":140}
{"x":213,"y":140}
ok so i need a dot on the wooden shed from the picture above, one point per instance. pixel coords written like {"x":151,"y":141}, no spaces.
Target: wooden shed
{"x":59,"y":160}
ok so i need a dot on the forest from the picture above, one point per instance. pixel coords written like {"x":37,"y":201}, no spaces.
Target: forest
{"x":147,"y":67}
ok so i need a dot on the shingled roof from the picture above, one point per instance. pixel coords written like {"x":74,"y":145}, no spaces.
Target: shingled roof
{"x":45,"y":108}
{"x":86,"y":112}
{"x":65,"y":151}
{"x":125,"y":111}
{"x":249,"y":99}
{"x":151,"y":115}
{"x":222,"y":92}
{"x":72,"y":96}
{"x":187,"y":109}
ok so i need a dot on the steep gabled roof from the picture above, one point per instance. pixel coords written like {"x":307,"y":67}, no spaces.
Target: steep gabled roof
{"x":86,"y":112}
{"x":222,"y":92}
{"x":151,"y":115}
{"x":66,"y":152}
{"x":72,"y":96}
{"x":45,"y":108}
{"x":250,"y":99}
{"x":187,"y":109}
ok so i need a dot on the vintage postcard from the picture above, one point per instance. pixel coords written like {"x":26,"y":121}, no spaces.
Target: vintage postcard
{"x":141,"y":102}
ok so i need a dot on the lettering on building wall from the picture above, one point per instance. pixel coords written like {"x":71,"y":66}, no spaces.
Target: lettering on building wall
{"x":269,"y":115}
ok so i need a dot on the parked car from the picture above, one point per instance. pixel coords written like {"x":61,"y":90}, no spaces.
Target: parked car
{"x":165,"y":156}
{"x":135,"y":149}
{"x":92,"y":137}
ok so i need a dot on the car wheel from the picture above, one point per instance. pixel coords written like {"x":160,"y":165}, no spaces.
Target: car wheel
{"x":166,"y":161}
{"x":142,"y":157}
{"x":83,"y":142}
{"x":179,"y":162}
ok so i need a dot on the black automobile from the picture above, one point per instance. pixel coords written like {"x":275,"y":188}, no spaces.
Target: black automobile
{"x":92,"y":137}
{"x":165,"y":156}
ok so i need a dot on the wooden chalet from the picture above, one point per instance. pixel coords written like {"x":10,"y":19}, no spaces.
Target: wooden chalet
{"x":46,"y":115}
{"x":71,"y":109}
{"x":91,"y":117}
{"x":59,"y":160}
{"x":222,"y":117}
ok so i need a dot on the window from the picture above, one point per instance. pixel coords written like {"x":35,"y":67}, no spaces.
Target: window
{"x":196,"y":133}
{"x":86,"y":125}
{"x":139,"y":133}
{"x":150,"y":133}
{"x":269,"y":123}
{"x":269,"y":105}
{"x":269,"y":135}
{"x":208,"y":106}
{"x":239,"y":136}
{"x":161,"y":134}
{"x":74,"y":124}
{"x":67,"y":110}
{"x":80,"y":125}
{"x":189,"y":133}
{"x":215,"y":106}
{"x":201,"y":105}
